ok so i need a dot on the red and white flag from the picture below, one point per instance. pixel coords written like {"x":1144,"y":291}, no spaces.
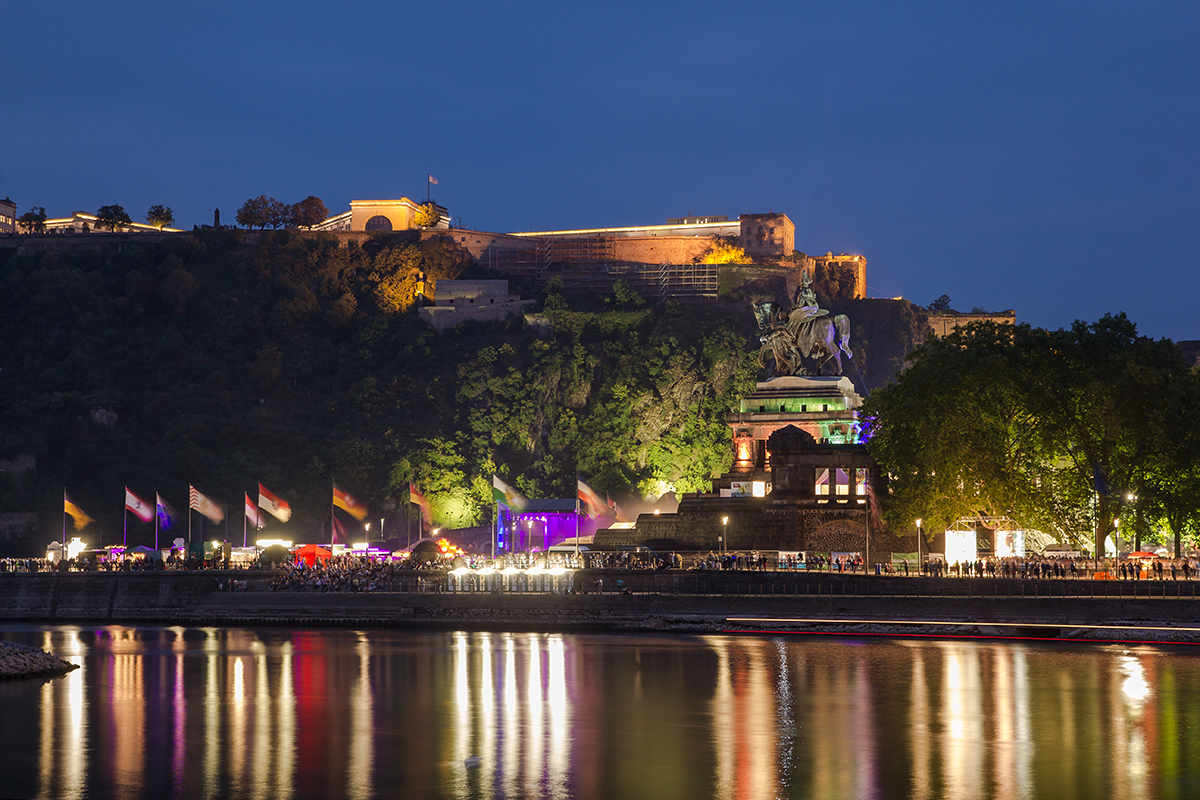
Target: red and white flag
{"x":432,"y":179}
{"x":252,"y":513}
{"x":274,"y":506}
{"x":595,"y":506}
{"x":140,"y":508}
{"x":208,"y":508}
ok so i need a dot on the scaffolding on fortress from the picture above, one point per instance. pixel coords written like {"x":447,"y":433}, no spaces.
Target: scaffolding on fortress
{"x":586,"y":264}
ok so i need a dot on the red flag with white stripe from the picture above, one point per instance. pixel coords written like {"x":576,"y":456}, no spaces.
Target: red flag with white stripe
{"x":275,"y":506}
{"x":140,"y":508}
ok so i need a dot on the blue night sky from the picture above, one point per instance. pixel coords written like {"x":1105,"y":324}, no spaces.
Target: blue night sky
{"x":1036,"y":156}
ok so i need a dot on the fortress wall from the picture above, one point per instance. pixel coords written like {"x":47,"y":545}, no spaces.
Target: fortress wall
{"x":944,"y":324}
{"x":661,"y":249}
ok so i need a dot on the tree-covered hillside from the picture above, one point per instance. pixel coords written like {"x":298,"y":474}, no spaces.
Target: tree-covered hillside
{"x":294,"y":361}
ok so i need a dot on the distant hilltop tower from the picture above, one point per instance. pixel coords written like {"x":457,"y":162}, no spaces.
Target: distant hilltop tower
{"x":216,"y":217}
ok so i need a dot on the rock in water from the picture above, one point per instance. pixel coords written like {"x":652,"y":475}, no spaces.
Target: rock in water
{"x":23,"y":661}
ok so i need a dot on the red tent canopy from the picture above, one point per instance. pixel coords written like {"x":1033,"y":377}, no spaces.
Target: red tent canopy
{"x":310,"y":554}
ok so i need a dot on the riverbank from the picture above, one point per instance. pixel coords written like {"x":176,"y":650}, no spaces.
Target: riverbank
{"x":659,"y":602}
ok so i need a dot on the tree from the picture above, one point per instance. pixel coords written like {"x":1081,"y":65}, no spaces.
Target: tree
{"x":1060,"y":430}
{"x":427,"y":216}
{"x":254,"y":213}
{"x":160,"y":216}
{"x":309,"y":212}
{"x":725,"y":251}
{"x":112,"y":217}
{"x":33,"y":220}
{"x":941,"y":304}
{"x":279,"y":213}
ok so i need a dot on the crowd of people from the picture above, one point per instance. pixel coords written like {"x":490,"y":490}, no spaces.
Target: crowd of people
{"x":343,"y":573}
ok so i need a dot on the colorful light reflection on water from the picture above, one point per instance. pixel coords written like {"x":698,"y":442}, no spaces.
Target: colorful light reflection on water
{"x":214,"y":713}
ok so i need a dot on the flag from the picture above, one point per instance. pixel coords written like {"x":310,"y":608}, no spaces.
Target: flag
{"x":419,"y":500}
{"x":166,"y":514}
{"x":595,"y":506}
{"x":348,"y":503}
{"x":252,"y":513}
{"x":81,"y":519}
{"x":139,"y":507}
{"x":507,"y":495}
{"x":277,"y":508}
{"x":205,"y":506}
{"x":339,"y":532}
{"x":432,"y":180}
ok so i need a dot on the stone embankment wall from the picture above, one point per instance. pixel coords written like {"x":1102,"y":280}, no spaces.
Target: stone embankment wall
{"x":703,"y":602}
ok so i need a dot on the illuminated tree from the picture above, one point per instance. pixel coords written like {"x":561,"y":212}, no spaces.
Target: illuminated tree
{"x":724,"y":251}
{"x":160,"y":216}
{"x":427,"y":216}
{"x":1058,"y":429}
{"x":112,"y":217}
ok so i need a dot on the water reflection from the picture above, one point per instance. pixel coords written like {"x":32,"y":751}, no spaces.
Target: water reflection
{"x":214,"y":713}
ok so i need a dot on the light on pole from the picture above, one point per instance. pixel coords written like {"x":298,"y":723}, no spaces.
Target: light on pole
{"x":920,"y":564}
{"x":724,"y":534}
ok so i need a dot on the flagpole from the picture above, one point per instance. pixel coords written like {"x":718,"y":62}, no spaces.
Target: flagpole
{"x":64,"y":541}
{"x":125,"y":519}
{"x":495,"y":519}
{"x":331,"y":519}
{"x":244,"y":539}
{"x":156,"y":498}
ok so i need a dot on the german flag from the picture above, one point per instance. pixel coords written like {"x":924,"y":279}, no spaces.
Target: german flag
{"x":348,"y":503}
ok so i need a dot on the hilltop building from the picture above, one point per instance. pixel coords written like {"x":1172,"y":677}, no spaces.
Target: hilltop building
{"x":8,"y":216}
{"x":83,"y":222}
{"x":380,"y":215}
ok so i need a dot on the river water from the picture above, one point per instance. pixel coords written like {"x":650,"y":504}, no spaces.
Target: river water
{"x":270,"y":713}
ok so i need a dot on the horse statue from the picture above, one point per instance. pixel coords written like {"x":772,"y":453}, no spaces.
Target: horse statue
{"x":802,"y":333}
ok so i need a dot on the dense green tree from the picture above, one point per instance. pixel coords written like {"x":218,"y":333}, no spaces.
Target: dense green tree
{"x":255,"y":212}
{"x":309,"y":212}
{"x":160,"y":217}
{"x":427,"y":216}
{"x":222,"y":364}
{"x":112,"y":217}
{"x":33,"y":220}
{"x":278,"y":213}
{"x":1061,"y":430}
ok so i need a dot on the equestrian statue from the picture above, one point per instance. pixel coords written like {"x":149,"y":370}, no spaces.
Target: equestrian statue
{"x":806,"y":331}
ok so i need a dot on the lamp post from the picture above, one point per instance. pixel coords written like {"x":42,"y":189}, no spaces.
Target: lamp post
{"x":724,"y":534}
{"x":920,"y":564}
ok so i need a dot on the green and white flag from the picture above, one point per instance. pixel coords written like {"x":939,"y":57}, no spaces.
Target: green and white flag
{"x":507,"y":495}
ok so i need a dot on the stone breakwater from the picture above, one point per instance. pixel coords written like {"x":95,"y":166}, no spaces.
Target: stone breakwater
{"x":23,"y":661}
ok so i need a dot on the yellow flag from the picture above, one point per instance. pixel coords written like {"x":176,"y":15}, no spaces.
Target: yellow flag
{"x":81,"y":519}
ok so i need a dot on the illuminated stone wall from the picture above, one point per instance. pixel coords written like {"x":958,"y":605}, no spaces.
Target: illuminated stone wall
{"x":767,"y":237}
{"x":943,"y":324}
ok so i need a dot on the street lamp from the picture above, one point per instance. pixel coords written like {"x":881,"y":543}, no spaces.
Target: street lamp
{"x":920,"y":565}
{"x":724,"y":534}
